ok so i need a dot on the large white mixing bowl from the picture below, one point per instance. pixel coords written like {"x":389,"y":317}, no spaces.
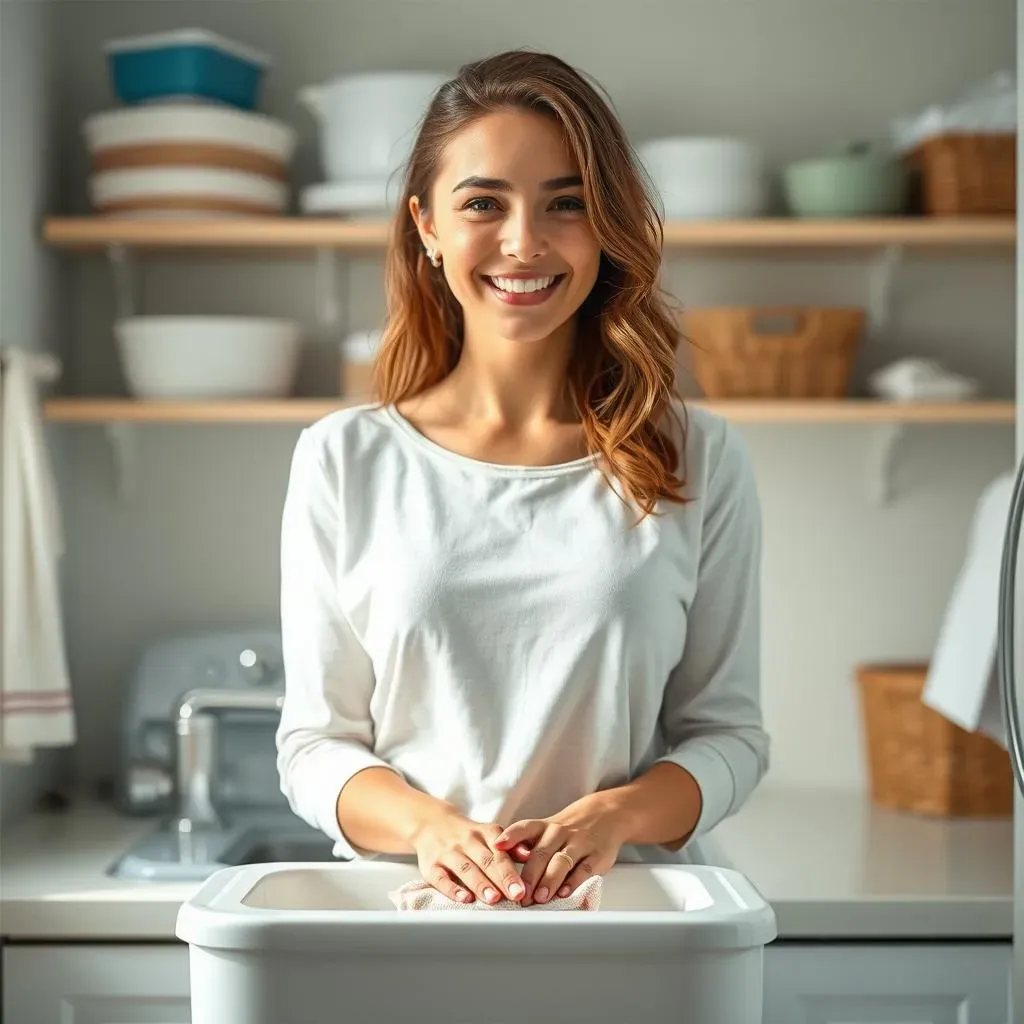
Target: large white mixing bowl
{"x":208,"y":356}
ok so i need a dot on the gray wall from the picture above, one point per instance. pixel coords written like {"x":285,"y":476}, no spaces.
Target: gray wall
{"x":845,"y":581}
{"x":29,"y":275}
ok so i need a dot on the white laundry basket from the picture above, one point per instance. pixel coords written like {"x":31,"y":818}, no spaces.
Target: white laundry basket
{"x":322,"y":944}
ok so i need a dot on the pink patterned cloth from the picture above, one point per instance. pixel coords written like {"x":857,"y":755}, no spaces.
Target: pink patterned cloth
{"x":420,"y":895}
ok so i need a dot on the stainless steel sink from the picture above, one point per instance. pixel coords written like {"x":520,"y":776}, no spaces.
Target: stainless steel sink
{"x":167,"y":855}
{"x":272,"y":851}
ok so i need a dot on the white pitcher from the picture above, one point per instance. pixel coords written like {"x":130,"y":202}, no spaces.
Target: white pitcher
{"x":369,"y":122}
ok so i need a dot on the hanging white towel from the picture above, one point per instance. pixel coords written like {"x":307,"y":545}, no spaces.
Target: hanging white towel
{"x":962,"y":683}
{"x":36,"y":708}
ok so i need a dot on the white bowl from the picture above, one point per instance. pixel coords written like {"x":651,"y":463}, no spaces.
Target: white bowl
{"x":166,"y":124}
{"x":351,"y":198}
{"x":208,"y":356}
{"x":706,"y":178}
{"x":172,"y":187}
{"x":368,"y":122}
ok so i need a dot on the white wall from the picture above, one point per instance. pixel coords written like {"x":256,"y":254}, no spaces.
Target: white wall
{"x":844,"y":581}
{"x":29,"y":279}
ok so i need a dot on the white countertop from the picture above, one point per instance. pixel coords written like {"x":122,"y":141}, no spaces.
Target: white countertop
{"x":830,"y":864}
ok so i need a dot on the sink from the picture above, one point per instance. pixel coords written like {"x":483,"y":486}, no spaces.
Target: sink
{"x":271,"y":851}
{"x":166,"y":855}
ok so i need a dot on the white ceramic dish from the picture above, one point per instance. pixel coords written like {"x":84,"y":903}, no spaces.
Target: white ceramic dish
{"x":707,"y":178}
{"x":351,"y":198}
{"x":195,"y":357}
{"x":169,"y":123}
{"x":260,"y":194}
{"x":308,"y":943}
{"x":368,"y":122}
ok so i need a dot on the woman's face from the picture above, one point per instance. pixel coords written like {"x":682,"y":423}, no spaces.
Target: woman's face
{"x":506,"y":213}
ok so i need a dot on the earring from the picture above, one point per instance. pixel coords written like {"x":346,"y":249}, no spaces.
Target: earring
{"x":433,"y":256}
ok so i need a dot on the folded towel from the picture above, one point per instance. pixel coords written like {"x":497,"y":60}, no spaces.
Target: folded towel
{"x":422,"y":896}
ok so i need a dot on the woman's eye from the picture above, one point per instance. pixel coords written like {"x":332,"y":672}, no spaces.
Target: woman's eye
{"x":480,"y":205}
{"x":570,"y":204}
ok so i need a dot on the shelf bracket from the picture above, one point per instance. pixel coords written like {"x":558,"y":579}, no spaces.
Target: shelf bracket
{"x":880,"y":283}
{"x":327,"y":311}
{"x":883,"y":461}
{"x":123,"y":438}
{"x":122,"y":263}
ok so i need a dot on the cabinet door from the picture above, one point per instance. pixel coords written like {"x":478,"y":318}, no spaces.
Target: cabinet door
{"x":96,"y":985}
{"x":878,"y":984}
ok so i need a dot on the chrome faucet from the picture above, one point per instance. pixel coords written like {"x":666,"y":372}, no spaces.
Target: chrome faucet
{"x":196,"y":729}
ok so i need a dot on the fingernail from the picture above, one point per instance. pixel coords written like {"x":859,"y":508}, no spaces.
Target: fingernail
{"x":463,"y":895}
{"x":490,"y":895}
{"x":564,"y":891}
{"x":515,"y":890}
{"x":542,"y":894}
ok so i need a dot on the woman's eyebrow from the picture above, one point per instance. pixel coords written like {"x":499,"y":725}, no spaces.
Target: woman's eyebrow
{"x":500,"y":185}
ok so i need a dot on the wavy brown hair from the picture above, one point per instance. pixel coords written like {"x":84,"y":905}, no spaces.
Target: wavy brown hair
{"x":621,"y":376}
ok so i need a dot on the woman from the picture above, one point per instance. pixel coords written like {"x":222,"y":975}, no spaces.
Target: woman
{"x":520,"y":594}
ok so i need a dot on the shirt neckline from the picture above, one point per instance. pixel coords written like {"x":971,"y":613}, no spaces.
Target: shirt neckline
{"x":479,"y":465}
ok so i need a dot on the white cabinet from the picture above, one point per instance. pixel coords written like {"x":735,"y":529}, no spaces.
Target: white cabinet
{"x":96,"y":985}
{"x":810,"y":983}
{"x":887,"y":984}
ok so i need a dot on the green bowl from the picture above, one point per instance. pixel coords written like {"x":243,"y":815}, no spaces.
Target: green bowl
{"x":848,"y":185}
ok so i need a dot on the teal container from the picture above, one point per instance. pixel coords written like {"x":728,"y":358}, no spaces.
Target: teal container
{"x":190,"y":64}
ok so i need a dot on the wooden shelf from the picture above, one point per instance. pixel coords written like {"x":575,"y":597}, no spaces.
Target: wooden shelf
{"x":282,"y":233}
{"x":306,"y":410}
{"x":131,"y":410}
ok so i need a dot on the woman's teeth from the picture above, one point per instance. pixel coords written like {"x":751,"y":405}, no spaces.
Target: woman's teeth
{"x":522,"y":284}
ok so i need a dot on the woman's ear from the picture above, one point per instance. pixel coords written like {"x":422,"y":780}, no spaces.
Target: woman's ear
{"x":424,"y":223}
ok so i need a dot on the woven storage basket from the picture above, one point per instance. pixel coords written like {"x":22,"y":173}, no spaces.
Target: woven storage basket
{"x":791,"y":352}
{"x":967,"y":174}
{"x":920,"y":762}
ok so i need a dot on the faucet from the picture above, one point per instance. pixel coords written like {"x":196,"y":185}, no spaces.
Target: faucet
{"x":196,"y":729}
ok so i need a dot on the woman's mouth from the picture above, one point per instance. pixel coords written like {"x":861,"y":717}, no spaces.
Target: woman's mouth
{"x":524,"y":291}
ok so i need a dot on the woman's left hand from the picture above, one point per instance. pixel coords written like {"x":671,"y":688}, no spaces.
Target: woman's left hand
{"x":564,"y":850}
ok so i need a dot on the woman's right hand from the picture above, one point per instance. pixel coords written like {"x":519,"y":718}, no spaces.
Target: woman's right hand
{"x":457,"y":857}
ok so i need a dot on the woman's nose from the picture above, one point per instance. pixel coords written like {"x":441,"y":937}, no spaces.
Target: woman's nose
{"x":524,"y":238}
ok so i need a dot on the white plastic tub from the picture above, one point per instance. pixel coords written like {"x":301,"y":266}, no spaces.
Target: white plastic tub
{"x":314,"y":943}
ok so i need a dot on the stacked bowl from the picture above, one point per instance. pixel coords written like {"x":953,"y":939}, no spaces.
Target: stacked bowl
{"x":707,"y":177}
{"x":187,"y":141}
{"x":368,"y":124}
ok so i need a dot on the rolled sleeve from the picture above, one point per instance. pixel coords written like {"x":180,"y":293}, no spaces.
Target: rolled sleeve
{"x":325,"y":735}
{"x":711,"y":714}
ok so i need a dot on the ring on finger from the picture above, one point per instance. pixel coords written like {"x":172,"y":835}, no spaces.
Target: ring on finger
{"x":568,"y":857}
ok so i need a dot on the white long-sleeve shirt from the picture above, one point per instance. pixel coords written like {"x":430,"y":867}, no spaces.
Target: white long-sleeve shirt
{"x":498,"y":636}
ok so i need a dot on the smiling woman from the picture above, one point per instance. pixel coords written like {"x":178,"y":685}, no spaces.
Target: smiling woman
{"x":528,"y":239}
{"x":520,"y":593}
{"x":522,"y":173}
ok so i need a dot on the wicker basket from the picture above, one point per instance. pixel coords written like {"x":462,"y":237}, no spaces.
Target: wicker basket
{"x":738,"y":352}
{"x":965,"y":174}
{"x":920,"y":762}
